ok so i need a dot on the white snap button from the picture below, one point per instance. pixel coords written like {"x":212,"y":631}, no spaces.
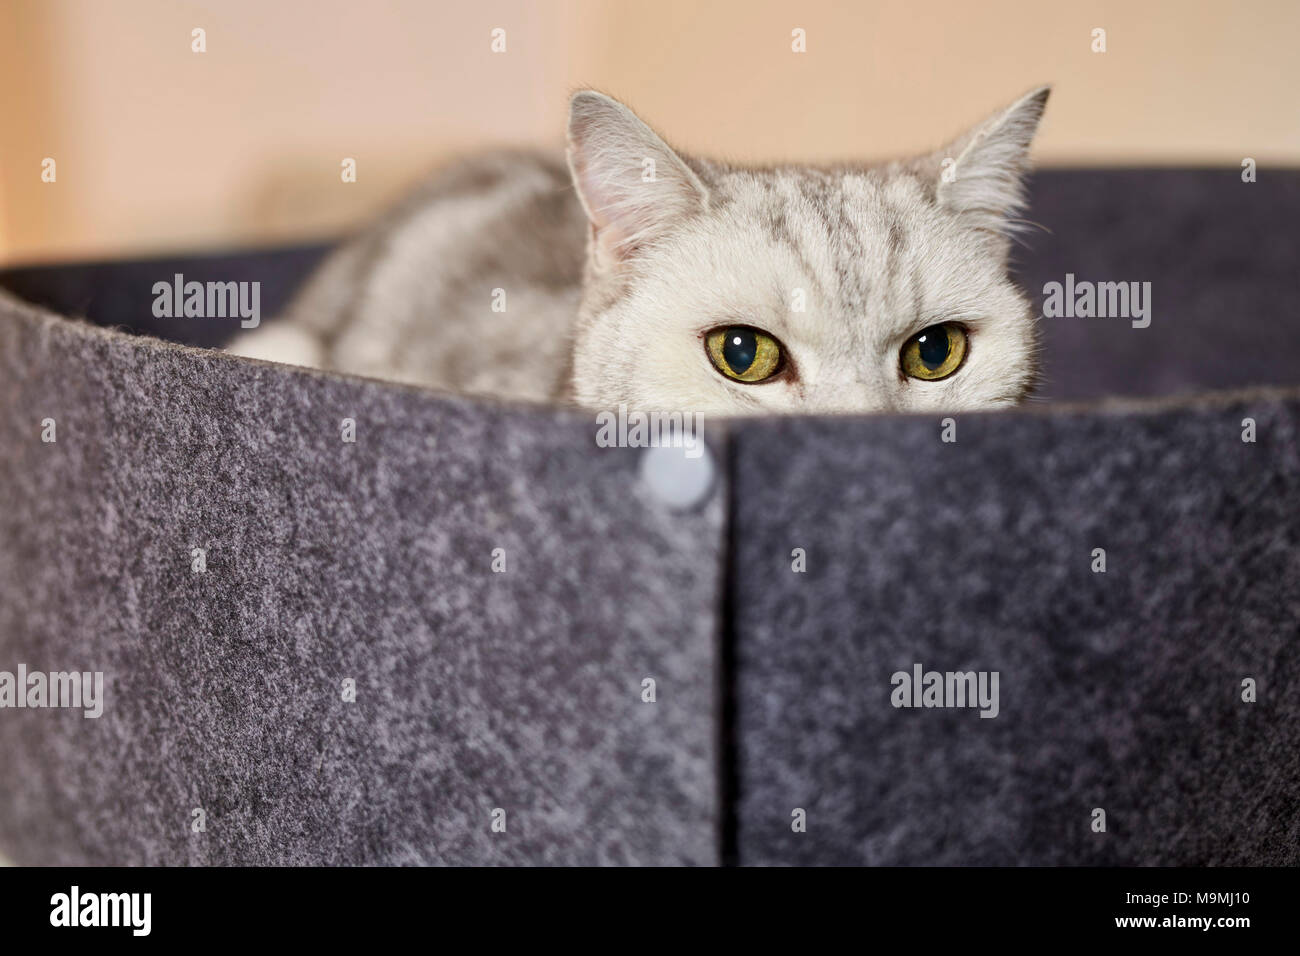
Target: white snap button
{"x":681,"y":478}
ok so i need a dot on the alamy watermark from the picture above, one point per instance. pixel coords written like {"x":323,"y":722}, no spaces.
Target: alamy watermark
{"x":130,"y":910}
{"x":1102,"y":300}
{"x":208,"y":300}
{"x":637,"y":429}
{"x":78,"y":690}
{"x":922,"y":688}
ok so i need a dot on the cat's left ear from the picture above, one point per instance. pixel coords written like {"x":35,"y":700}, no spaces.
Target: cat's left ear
{"x":634,"y":188}
{"x":981,"y":174}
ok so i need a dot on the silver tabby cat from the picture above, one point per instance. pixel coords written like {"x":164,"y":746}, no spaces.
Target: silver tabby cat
{"x":638,"y":275}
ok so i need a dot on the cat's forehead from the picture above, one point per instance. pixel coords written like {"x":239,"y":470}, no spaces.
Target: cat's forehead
{"x":844,"y":224}
{"x":836,"y":200}
{"x":869,"y":244}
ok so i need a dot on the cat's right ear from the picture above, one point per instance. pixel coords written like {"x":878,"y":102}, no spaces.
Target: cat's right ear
{"x":632,"y":185}
{"x":981,"y":175}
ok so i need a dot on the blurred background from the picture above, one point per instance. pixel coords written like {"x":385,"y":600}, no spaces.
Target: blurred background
{"x":160,"y":149}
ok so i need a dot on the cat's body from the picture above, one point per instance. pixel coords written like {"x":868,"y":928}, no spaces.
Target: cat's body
{"x":412,"y":299}
{"x":659,"y":277}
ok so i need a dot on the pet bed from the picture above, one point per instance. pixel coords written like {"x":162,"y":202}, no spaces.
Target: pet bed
{"x":471,"y":636}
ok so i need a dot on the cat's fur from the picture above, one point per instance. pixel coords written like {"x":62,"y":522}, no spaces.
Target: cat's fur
{"x":609,"y":288}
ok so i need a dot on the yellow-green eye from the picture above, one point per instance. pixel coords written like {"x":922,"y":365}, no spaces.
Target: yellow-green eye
{"x":934,"y":353}
{"x":742,"y":353}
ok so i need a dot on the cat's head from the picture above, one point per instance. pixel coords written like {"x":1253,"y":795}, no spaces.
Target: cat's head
{"x":730,"y":290}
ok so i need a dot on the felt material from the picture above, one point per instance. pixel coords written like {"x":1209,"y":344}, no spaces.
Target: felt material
{"x":1221,"y":256}
{"x":522,"y":690}
{"x":121,"y":293}
{"x":1119,"y":690}
{"x":328,"y":561}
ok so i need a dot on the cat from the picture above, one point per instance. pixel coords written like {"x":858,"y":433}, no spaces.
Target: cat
{"x":635,"y":275}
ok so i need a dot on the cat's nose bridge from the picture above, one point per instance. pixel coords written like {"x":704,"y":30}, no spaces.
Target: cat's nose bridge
{"x":857,"y":392}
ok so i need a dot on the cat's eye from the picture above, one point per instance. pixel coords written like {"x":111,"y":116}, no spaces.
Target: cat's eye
{"x":934,"y":352}
{"x":742,"y":353}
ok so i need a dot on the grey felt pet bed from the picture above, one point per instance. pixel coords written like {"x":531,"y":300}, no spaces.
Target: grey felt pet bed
{"x":483,"y":696}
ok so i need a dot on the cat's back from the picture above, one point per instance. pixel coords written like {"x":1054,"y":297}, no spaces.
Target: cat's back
{"x":471,"y":283}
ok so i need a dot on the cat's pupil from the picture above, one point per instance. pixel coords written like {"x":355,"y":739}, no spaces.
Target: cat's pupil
{"x":739,"y":349}
{"x":933,"y":344}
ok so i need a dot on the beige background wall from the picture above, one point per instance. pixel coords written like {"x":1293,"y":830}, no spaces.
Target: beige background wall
{"x":160,"y":148}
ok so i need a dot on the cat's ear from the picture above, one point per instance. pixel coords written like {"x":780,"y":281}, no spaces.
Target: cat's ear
{"x":981,"y":174}
{"x":632,"y":185}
